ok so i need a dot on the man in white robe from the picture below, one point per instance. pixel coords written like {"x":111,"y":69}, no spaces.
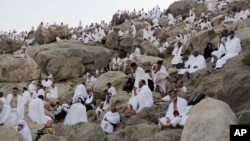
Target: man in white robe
{"x":36,"y":111}
{"x":90,"y":101}
{"x":39,"y":91}
{"x":111,"y":89}
{"x":77,"y":113}
{"x":155,"y":22}
{"x":32,"y":87}
{"x":178,"y":52}
{"x":110,"y":120}
{"x":139,"y":74}
{"x":159,"y":77}
{"x":233,"y":47}
{"x":53,"y":92}
{"x":13,"y":109}
{"x":133,"y":30}
{"x":80,"y":91}
{"x":217,"y":54}
{"x":103,"y":105}
{"x":142,"y":99}
{"x":176,"y":110}
{"x":195,"y":63}
{"x":116,"y":63}
{"x":46,"y":83}
{"x":23,"y":129}
{"x":26,"y":96}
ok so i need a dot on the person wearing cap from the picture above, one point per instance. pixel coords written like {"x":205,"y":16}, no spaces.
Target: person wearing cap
{"x":23,"y":129}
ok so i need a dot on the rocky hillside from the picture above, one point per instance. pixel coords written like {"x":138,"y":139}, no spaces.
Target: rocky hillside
{"x":227,"y":89}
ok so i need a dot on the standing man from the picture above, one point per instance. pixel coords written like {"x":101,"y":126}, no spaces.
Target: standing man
{"x":13,"y":110}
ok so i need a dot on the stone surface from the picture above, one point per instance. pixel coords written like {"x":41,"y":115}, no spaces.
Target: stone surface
{"x":45,"y":36}
{"x":209,"y":120}
{"x":18,"y":69}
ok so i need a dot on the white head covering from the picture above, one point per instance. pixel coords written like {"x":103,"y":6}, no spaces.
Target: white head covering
{"x":25,"y":132}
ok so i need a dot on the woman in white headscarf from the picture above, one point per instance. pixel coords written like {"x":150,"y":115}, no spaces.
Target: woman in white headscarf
{"x":24,"y":130}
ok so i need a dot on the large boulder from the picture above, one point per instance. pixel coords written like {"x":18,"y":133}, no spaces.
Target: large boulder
{"x":45,"y":36}
{"x":115,"y":20}
{"x":69,"y":59}
{"x":18,"y":69}
{"x":246,"y":59}
{"x":81,"y":132}
{"x":126,"y":44}
{"x":10,"y":134}
{"x":161,"y":34}
{"x":149,"y":49}
{"x":48,"y":137}
{"x":112,"y":41}
{"x":209,"y":120}
{"x":180,"y":7}
{"x":116,"y":78}
{"x":200,"y":40}
{"x":145,"y":132}
{"x":61,"y":65}
{"x":217,"y":20}
{"x":8,"y":46}
{"x":163,"y":21}
{"x":227,"y":84}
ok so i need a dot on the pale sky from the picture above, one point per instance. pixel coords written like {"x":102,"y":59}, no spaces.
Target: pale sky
{"x":23,"y":14}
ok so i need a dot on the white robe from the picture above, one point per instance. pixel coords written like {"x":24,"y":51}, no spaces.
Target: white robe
{"x":77,"y":113}
{"x":198,"y":61}
{"x":10,"y":116}
{"x":53,"y":92}
{"x":25,"y":132}
{"x":37,"y":113}
{"x":233,"y":47}
{"x":218,"y":53}
{"x":159,"y":79}
{"x":47,"y":83}
{"x":26,"y":97}
{"x":112,"y":90}
{"x":113,"y":118}
{"x":181,"y":107}
{"x":116,"y":63}
{"x":80,"y":91}
{"x":143,"y":99}
{"x":139,"y":75}
{"x":177,"y":56}
{"x":32,"y":87}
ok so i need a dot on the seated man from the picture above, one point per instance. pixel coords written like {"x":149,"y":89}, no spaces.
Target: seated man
{"x":195,"y":63}
{"x":142,"y":98}
{"x":110,"y":120}
{"x":53,"y":92}
{"x":175,"y":111}
{"x":233,"y":48}
{"x":103,"y":105}
{"x":23,"y":128}
{"x":115,"y":63}
{"x":36,"y":111}
{"x":111,"y":89}
{"x":77,"y":113}
{"x":90,"y":101}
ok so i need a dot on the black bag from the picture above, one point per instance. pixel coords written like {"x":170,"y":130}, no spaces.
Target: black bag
{"x":196,"y":99}
{"x":151,"y":84}
{"x":129,"y":85}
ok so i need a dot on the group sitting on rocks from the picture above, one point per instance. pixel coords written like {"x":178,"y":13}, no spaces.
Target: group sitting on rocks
{"x":41,"y":96}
